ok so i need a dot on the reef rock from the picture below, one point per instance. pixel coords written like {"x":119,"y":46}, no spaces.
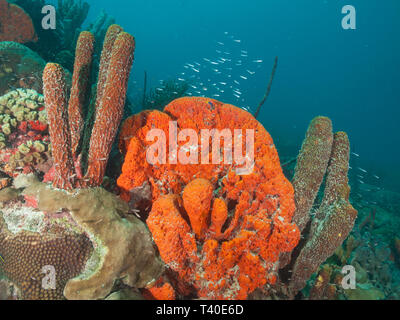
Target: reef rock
{"x":15,"y":24}
{"x":86,"y":235}
{"x":123,"y":247}
{"x":20,"y":67}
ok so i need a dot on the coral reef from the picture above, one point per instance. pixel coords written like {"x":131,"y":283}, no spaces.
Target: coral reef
{"x":19,"y":68}
{"x":59,"y":45}
{"x":7,"y":290}
{"x":31,"y":241}
{"x":59,"y":229}
{"x":15,"y":24}
{"x":123,"y":248}
{"x":376,"y":274}
{"x":123,"y":251}
{"x":223,"y":237}
{"x":24,"y":138}
{"x":72,"y":14}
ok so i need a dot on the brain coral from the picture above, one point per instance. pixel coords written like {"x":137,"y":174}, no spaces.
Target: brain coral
{"x":221,"y":238}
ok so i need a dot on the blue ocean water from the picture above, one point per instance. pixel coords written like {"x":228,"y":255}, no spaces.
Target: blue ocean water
{"x":350,"y":76}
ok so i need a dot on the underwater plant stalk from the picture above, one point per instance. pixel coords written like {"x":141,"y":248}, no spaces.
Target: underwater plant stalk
{"x":268,"y":88}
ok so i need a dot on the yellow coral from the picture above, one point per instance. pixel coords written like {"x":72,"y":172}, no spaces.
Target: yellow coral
{"x":24,"y":149}
{"x":6,"y":129}
{"x":39,"y":146}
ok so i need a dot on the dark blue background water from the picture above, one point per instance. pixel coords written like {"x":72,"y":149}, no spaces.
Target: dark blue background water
{"x":351,"y":76}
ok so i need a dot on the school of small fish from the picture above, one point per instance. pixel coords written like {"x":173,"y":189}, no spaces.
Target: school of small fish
{"x":222,"y":75}
{"x":359,"y":175}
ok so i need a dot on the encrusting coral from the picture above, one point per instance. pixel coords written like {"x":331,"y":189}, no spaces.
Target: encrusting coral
{"x":222,"y":238}
{"x":15,"y":24}
{"x":87,"y":234}
{"x":26,"y":253}
{"x":40,"y":251}
{"x":123,"y":248}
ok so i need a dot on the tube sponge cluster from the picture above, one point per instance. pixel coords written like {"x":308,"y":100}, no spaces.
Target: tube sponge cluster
{"x":66,"y":123}
{"x":324,"y":155}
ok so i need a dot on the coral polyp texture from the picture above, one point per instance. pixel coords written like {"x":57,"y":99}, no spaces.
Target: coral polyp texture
{"x":24,"y":137}
{"x":222,"y":238}
{"x":40,"y":251}
{"x":26,"y":255}
{"x":15,"y":24}
{"x":86,"y":237}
